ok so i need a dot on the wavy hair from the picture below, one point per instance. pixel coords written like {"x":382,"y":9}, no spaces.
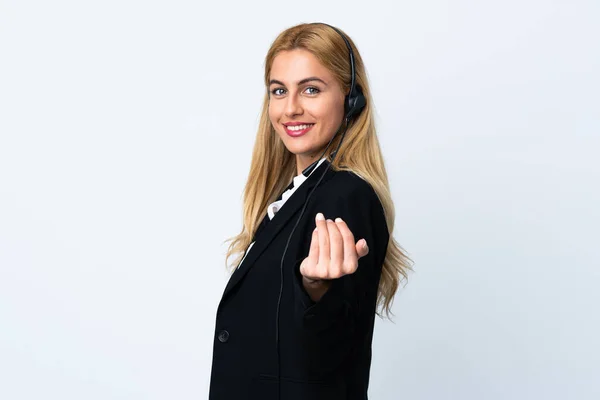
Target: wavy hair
{"x":273,"y":166}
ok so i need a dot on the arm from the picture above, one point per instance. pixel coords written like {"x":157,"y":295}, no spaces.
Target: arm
{"x":339,"y":302}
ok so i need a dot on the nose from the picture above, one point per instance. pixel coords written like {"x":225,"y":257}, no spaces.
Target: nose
{"x":293,"y":106}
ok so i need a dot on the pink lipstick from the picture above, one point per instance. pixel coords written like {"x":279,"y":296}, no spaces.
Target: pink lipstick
{"x":294,"y":129}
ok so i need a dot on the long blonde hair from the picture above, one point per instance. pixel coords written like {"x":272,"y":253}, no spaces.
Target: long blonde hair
{"x":273,"y":166}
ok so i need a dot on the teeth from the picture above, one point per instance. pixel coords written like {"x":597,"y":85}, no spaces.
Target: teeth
{"x":298,"y":127}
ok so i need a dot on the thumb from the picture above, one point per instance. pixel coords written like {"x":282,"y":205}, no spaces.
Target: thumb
{"x":361,"y":248}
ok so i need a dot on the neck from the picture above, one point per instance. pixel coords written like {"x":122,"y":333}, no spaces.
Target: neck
{"x":302,"y":162}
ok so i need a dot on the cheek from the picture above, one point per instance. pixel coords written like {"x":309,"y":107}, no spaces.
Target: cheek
{"x":272,"y":114}
{"x":276,"y":108}
{"x":329,"y":113}
{"x":274,"y":117}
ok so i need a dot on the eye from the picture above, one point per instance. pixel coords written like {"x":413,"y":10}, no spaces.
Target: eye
{"x":311,"y":90}
{"x":315,"y":90}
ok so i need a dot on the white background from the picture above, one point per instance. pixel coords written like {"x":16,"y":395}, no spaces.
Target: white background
{"x":126,"y":130}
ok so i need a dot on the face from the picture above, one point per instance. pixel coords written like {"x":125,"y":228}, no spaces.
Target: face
{"x":306,"y":104}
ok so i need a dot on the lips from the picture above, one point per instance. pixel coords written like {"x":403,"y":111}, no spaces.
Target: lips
{"x":297,"y":130}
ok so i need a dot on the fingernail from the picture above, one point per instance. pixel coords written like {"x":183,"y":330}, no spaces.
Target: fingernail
{"x":364,"y":244}
{"x":315,"y":229}
{"x":338,"y":220}
{"x":320,"y":217}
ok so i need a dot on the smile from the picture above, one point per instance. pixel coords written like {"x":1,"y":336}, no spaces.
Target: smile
{"x":297,"y":130}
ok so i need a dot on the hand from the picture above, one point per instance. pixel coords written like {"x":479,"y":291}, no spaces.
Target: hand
{"x":333,"y":252}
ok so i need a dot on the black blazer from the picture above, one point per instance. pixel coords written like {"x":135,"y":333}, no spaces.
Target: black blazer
{"x":325,"y":347}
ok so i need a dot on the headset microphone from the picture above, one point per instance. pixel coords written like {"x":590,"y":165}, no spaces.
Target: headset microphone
{"x":354,"y":102}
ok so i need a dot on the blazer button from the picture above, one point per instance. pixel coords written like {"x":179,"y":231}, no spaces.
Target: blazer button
{"x":223,"y":336}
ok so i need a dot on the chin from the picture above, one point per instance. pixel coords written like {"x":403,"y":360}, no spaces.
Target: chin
{"x":295,"y":150}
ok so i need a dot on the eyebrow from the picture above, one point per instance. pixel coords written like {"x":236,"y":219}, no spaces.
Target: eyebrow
{"x":303,"y":81}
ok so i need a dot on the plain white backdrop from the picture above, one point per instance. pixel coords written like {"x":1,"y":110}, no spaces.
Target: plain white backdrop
{"x":126,"y":130}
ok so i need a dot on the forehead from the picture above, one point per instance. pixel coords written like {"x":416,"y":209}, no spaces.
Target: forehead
{"x":294,"y":65}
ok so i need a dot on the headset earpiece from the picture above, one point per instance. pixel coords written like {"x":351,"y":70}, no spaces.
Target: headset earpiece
{"x":355,"y":102}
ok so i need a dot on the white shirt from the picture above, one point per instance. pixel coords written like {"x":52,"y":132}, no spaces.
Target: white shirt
{"x":276,"y":205}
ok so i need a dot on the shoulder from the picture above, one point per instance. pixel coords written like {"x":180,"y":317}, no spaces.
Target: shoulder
{"x":347,"y":191}
{"x":349,"y":185}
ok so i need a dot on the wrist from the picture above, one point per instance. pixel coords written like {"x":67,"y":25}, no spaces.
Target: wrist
{"x":315,"y":282}
{"x":315,"y":288}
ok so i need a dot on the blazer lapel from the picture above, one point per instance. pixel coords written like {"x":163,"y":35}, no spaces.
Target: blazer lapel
{"x":267,"y":233}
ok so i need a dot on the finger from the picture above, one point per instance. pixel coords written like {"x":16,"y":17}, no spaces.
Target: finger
{"x":362,"y":248}
{"x":350,"y":256}
{"x":313,"y":253}
{"x":307,"y":267}
{"x":323,"y":241}
{"x":336,"y":246}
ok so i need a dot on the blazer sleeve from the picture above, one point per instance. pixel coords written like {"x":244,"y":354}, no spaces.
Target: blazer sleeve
{"x":352,"y":297}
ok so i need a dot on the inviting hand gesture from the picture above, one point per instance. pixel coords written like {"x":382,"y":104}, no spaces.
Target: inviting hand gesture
{"x":332,"y":255}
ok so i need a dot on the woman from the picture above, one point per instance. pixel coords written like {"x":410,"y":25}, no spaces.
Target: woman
{"x":296,"y":318}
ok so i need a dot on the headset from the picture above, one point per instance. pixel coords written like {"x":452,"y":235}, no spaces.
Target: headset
{"x":354,"y":102}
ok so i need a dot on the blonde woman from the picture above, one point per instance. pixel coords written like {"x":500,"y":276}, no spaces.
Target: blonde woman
{"x":315,"y":261}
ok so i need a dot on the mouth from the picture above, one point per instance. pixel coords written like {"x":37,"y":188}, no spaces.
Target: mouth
{"x":297,"y":130}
